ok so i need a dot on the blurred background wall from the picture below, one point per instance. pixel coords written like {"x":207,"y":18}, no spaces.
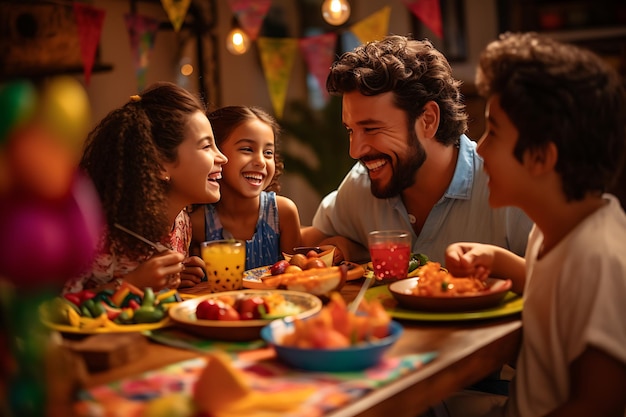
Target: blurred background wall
{"x":314,"y":143}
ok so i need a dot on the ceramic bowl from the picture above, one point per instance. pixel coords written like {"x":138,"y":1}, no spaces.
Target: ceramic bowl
{"x":324,"y":252}
{"x":354,"y":358}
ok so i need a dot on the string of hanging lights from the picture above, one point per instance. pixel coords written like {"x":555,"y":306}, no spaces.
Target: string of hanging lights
{"x":334,"y":12}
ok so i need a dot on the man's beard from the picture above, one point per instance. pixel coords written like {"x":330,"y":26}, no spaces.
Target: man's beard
{"x":404,"y":172}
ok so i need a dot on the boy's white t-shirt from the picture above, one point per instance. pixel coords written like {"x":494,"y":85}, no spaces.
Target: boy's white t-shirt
{"x":575,"y":297}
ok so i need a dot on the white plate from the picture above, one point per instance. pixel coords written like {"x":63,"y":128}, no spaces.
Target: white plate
{"x":184,"y":315}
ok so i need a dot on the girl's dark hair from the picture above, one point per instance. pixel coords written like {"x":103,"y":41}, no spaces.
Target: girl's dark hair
{"x":123,"y":156}
{"x":226,"y":119}
{"x":560,"y":93}
{"x":414,"y":71}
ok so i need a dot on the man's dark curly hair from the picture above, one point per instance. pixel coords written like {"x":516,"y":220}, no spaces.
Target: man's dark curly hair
{"x":414,"y":71}
{"x":226,"y":119}
{"x":123,"y":156}
{"x":560,"y":93}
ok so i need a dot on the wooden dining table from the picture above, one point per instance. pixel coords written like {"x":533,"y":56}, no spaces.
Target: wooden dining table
{"x":467,"y":352}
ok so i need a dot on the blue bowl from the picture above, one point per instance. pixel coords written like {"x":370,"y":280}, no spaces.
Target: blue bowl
{"x":353,"y":358}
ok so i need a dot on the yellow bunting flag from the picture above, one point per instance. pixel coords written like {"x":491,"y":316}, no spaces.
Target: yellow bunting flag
{"x":277,"y":55}
{"x":375,"y":27}
{"x":176,"y":11}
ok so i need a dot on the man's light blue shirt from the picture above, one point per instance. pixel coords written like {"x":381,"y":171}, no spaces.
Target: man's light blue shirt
{"x":462,"y":214}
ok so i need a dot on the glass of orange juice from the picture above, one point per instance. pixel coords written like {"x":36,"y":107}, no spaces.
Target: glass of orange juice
{"x":225,"y":264}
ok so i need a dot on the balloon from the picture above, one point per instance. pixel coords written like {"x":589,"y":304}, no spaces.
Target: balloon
{"x":39,"y":164}
{"x":18,"y":102}
{"x":46,"y":242}
{"x":65,"y":109}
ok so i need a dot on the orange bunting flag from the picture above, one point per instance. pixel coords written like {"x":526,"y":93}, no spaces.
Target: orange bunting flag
{"x":89,"y":22}
{"x":429,"y":12}
{"x":176,"y":11}
{"x":142,"y":31}
{"x":277,"y":56}
{"x":374,"y":27}
{"x":319,"y":52}
{"x":250,"y":14}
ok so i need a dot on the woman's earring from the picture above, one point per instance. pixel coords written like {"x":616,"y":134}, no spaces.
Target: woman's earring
{"x":167,"y":178}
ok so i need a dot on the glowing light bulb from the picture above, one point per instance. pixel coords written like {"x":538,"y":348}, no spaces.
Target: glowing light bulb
{"x":237,"y":41}
{"x":336,"y":12}
{"x":186,"y":70}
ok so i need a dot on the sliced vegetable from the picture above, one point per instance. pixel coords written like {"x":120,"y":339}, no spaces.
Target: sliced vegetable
{"x":120,"y":295}
{"x":148,"y":298}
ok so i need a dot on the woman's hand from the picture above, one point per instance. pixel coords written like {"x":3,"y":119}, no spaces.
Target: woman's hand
{"x":193,"y":272}
{"x":162,"y":270}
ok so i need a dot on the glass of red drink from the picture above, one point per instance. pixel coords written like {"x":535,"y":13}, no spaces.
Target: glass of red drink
{"x":390,"y":251}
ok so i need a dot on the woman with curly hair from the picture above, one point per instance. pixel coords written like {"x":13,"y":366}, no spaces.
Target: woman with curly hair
{"x":249,"y":208}
{"x":148,"y":160}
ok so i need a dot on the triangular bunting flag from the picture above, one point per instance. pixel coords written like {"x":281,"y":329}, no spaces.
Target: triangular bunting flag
{"x":250,"y":14}
{"x":319,"y":52}
{"x":277,"y":56}
{"x":142,"y":31}
{"x":374,"y":27}
{"x":89,"y":22}
{"x":429,"y":12}
{"x":176,"y":11}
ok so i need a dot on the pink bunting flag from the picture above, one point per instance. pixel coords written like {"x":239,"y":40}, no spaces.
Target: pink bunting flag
{"x":319,"y":52}
{"x":277,"y":56}
{"x":429,"y":12}
{"x":250,"y":14}
{"x":89,"y":21}
{"x":142,"y":31}
{"x":176,"y":11}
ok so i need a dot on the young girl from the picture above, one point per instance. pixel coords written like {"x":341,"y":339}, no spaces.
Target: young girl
{"x":249,"y":208}
{"x":148,"y":160}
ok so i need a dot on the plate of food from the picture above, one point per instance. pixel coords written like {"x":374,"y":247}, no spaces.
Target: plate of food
{"x":240,"y":315}
{"x":256,"y":278}
{"x":435,"y":289}
{"x":127,"y":309}
{"x":511,"y":304}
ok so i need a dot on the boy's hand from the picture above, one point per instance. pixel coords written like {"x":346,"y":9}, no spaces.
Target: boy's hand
{"x":193,"y":272}
{"x":469,"y":260}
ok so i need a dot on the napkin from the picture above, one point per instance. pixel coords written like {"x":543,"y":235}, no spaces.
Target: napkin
{"x":223,"y":391}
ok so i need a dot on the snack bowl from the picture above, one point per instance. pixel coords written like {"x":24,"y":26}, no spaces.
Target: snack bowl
{"x":354,"y":358}
{"x":324,"y":252}
{"x":300,"y":305}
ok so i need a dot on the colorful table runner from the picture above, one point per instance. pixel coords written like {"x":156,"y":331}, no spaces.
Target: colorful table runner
{"x":134,"y":396}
